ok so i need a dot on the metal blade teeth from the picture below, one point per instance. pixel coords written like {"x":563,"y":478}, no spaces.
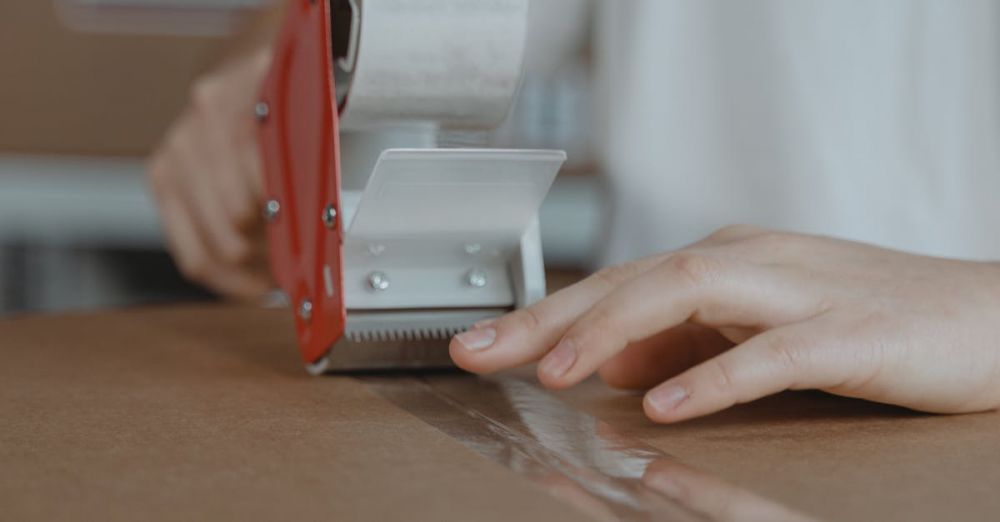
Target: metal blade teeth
{"x":406,"y":334}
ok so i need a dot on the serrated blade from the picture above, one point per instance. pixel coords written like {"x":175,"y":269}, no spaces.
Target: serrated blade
{"x":399,"y":339}
{"x":413,"y":325}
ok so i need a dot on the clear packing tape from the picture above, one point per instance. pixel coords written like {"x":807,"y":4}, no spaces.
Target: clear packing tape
{"x":450,"y":64}
{"x":579,"y":459}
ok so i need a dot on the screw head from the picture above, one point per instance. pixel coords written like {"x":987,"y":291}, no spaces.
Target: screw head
{"x":476,"y":278}
{"x":271,"y":210}
{"x":329,"y":216}
{"x":378,"y":281}
{"x":305,"y":309}
{"x":261,"y":111}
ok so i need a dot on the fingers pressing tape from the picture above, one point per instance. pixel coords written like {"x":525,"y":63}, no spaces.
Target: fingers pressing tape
{"x":703,"y":289}
{"x":791,"y":357}
{"x":525,"y":335}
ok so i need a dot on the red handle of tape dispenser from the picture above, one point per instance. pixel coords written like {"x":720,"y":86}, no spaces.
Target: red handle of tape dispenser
{"x":298,"y":137}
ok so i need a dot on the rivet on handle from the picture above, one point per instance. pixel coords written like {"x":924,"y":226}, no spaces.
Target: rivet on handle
{"x":271,"y":210}
{"x":329,"y":216}
{"x":261,"y":111}
{"x":305,"y":309}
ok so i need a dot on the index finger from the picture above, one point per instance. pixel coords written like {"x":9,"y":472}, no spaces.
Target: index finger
{"x":525,"y":335}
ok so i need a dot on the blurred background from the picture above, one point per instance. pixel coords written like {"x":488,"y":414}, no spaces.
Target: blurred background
{"x":90,"y":86}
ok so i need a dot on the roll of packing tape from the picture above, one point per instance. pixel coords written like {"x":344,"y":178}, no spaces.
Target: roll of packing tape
{"x":453,"y":63}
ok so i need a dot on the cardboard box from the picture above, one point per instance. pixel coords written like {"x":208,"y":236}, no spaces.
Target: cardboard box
{"x":204,"y":413}
{"x":67,"y":92}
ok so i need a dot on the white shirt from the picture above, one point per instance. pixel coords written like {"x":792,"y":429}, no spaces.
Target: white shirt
{"x":873,"y":121}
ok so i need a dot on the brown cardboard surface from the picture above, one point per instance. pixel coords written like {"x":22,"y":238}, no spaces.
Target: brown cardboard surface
{"x":204,"y":412}
{"x":195,"y":413}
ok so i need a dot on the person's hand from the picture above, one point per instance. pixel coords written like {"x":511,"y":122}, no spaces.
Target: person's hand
{"x":802,"y":312}
{"x":206,"y":178}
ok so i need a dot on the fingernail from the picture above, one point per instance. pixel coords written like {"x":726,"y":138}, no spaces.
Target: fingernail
{"x":667,"y":398}
{"x":483,"y":323}
{"x":477,"y":338}
{"x":560,"y":359}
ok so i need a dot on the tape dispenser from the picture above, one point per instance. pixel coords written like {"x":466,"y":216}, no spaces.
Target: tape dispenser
{"x":383,"y":259}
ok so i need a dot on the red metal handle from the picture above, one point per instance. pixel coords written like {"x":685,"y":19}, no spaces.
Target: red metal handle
{"x":299,"y":145}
